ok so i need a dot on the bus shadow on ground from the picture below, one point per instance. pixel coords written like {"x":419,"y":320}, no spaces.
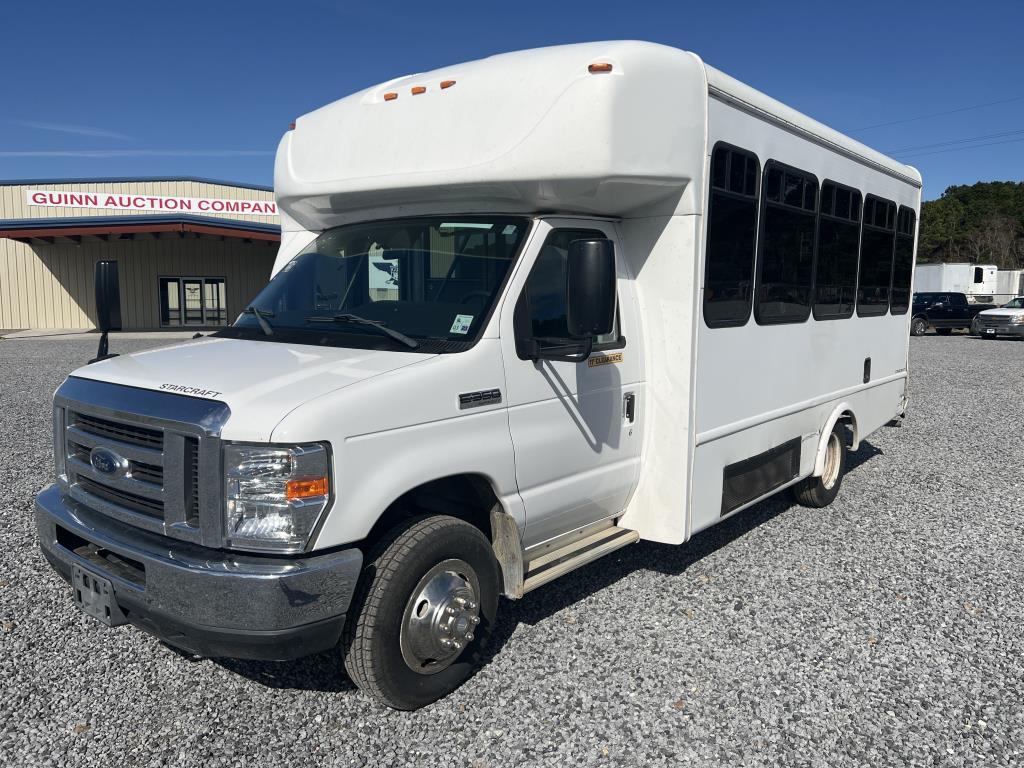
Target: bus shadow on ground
{"x":325,"y":672}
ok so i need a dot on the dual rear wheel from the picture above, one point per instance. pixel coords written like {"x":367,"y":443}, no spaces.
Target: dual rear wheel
{"x":821,"y":491}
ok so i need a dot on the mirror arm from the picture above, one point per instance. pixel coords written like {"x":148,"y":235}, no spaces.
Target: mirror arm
{"x":102,"y":352}
{"x":538,"y":353}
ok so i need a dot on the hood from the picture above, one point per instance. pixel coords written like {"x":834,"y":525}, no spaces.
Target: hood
{"x":260,"y":381}
{"x":1002,"y":312}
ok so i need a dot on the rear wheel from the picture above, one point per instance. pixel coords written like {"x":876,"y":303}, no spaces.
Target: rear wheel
{"x":944,"y":331}
{"x":918,"y":326}
{"x":821,"y":491}
{"x":424,"y":609}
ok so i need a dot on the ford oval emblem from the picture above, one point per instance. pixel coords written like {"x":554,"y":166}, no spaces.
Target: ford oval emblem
{"x":106,"y":462}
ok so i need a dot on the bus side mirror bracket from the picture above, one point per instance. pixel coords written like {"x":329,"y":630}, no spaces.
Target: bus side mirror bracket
{"x":108,"y":306}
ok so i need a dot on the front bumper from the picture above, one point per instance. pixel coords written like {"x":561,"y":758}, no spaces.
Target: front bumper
{"x":205,"y":601}
{"x":1002,"y":329}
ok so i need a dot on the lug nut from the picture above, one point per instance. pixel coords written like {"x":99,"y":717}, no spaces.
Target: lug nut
{"x":469,"y":637}
{"x":475,"y":619}
{"x":460,"y":600}
{"x":450,"y":611}
{"x":457,"y":644}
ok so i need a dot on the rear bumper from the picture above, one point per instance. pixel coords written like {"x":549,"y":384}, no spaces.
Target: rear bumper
{"x":204,"y":601}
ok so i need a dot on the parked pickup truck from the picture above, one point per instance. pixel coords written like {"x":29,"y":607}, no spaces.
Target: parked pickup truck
{"x":943,"y":311}
{"x":1007,"y":320}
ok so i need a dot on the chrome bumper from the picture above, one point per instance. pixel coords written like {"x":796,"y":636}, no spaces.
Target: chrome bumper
{"x":205,"y":601}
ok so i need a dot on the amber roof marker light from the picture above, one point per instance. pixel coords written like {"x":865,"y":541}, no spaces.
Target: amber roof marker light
{"x":418,"y":89}
{"x":390,"y":96}
{"x":599,"y":67}
{"x":447,"y":83}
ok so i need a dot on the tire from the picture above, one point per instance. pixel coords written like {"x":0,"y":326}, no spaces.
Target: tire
{"x":918,"y":326}
{"x":818,"y":492}
{"x":944,"y":331}
{"x":391,"y":639}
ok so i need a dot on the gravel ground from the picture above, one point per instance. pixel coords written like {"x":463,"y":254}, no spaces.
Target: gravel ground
{"x":882,"y":631}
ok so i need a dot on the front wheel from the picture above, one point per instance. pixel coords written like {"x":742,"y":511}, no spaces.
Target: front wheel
{"x":918,"y":326}
{"x":425,"y":607}
{"x":821,"y":491}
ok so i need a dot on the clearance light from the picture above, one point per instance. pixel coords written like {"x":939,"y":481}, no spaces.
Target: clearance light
{"x":602,"y":67}
{"x":291,"y":126}
{"x":390,"y":96}
{"x":447,"y":83}
{"x":418,"y":89}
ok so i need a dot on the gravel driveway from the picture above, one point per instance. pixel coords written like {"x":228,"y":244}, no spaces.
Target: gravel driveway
{"x":884,"y":630}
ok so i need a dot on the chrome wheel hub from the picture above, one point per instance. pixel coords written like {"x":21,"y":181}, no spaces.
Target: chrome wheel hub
{"x":441,"y":617}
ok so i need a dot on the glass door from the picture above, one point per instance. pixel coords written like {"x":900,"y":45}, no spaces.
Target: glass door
{"x":193,"y":301}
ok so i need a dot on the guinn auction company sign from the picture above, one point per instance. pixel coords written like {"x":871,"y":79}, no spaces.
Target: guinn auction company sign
{"x":118,"y":201}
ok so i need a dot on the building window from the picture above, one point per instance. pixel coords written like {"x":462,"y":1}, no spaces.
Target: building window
{"x":835,"y":273}
{"x":731,"y":235}
{"x":193,"y":301}
{"x":903,"y":261}
{"x":786,"y":248}
{"x":876,"y":247}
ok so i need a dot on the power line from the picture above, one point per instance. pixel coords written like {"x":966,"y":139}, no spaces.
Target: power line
{"x":958,"y":149}
{"x":955,"y":141}
{"x":936,"y":114}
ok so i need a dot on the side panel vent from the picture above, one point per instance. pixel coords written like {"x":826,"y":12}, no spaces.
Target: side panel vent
{"x":191,"y":464}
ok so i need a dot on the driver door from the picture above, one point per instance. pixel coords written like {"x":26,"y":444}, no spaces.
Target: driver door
{"x":575,"y":426}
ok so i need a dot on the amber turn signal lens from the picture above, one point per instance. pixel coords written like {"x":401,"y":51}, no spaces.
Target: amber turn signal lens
{"x":603,"y":67}
{"x":391,"y":96}
{"x":307,"y":488}
{"x":418,"y":89}
{"x":447,"y":83}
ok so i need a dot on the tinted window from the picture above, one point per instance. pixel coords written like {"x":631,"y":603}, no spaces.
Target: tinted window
{"x":545,"y":287}
{"x":732,"y":230}
{"x":786,"y":261}
{"x":876,"y":247}
{"x":903,"y":262}
{"x":979,"y":275}
{"x":835,"y":282}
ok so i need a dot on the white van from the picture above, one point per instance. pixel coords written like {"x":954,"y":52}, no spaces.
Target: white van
{"x":527,"y":310}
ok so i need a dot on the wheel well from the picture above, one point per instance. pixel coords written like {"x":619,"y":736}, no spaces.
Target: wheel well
{"x":847,"y":418}
{"x":467,"y":497}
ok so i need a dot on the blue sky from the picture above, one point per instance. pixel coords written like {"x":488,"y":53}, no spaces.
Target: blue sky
{"x":206,"y":87}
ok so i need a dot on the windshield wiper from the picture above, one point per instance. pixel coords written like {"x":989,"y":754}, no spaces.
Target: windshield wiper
{"x":261,"y":316}
{"x":380,"y":325}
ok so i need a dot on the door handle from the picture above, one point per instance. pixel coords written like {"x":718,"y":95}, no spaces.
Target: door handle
{"x":629,"y":407}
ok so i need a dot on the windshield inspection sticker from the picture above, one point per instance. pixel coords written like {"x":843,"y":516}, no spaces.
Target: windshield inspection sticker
{"x":461,"y":324}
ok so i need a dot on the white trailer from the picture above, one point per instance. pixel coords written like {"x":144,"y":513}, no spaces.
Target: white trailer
{"x":1009,"y":285}
{"x":978,"y":282}
{"x":527,"y":310}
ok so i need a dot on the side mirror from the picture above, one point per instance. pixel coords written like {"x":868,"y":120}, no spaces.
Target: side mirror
{"x":590,"y":288}
{"x":108,"y":305}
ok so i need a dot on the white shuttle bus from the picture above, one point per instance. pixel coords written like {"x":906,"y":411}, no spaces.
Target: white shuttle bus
{"x":527,"y":310}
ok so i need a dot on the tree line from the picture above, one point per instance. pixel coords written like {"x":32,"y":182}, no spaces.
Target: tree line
{"x":982,"y":223}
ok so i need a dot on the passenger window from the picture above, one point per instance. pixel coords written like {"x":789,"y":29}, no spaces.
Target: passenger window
{"x":835,"y":282}
{"x":903,"y":262}
{"x":786,"y":249}
{"x":544,"y":294}
{"x":876,"y":251}
{"x":979,"y":275}
{"x":732,"y":231}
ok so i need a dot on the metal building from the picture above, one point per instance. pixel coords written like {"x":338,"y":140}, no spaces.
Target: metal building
{"x":190,"y":252}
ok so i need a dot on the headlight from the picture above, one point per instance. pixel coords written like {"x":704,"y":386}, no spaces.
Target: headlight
{"x":274,"y":494}
{"x":1015,"y":319}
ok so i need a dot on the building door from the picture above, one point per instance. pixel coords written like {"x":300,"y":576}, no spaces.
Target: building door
{"x":193,"y":301}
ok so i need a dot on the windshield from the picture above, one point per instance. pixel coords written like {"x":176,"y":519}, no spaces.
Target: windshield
{"x":1017,"y":303}
{"x":433,"y":280}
